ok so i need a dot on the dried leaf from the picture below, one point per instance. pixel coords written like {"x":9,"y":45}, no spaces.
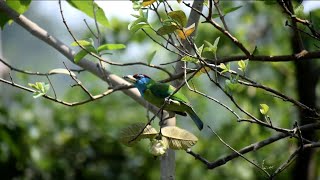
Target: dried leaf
{"x":127,"y":134}
{"x":179,"y":138}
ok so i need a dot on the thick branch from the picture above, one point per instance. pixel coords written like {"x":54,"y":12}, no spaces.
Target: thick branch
{"x":96,"y":69}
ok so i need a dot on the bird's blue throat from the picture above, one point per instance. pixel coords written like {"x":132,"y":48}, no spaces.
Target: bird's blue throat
{"x":141,"y":85}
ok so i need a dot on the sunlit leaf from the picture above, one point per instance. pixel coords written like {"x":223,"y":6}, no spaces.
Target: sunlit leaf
{"x":264,"y":109}
{"x":242,"y":65}
{"x":88,"y":8}
{"x":62,"y":71}
{"x":224,"y":67}
{"x":179,"y":16}
{"x":129,"y":133}
{"x":179,"y":138}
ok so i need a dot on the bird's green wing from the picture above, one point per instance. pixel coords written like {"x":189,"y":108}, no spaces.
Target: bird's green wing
{"x":164,"y":90}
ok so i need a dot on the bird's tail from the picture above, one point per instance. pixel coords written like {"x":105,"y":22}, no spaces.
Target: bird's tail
{"x":195,"y":118}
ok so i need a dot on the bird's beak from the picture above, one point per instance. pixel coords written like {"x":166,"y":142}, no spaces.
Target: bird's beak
{"x":130,"y":78}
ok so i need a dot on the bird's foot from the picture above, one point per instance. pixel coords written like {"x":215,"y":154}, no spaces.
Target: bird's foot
{"x":167,"y":100}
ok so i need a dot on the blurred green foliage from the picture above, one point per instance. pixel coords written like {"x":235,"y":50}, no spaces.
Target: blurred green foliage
{"x":40,"y":139}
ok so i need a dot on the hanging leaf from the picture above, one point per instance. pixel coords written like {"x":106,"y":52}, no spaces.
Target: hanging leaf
{"x":167,"y":29}
{"x":179,"y":138}
{"x":87,"y":7}
{"x":264,"y":109}
{"x":62,"y":71}
{"x":179,"y":16}
{"x":139,"y":26}
{"x":127,"y":134}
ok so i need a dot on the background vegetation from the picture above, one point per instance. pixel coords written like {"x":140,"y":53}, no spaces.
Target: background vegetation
{"x":41,"y":139}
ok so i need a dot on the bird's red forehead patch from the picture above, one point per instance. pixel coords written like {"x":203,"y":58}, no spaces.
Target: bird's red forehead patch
{"x":139,"y":76}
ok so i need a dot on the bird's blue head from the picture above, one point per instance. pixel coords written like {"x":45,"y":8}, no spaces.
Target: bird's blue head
{"x":140,"y":81}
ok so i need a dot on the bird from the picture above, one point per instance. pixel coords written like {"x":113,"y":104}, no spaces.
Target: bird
{"x":158,"y":93}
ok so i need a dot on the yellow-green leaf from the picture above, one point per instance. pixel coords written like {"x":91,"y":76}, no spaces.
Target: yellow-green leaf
{"x":81,"y":42}
{"x":264,"y":109}
{"x":179,"y":138}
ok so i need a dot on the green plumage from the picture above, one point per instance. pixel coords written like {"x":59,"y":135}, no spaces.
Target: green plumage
{"x":157,"y":93}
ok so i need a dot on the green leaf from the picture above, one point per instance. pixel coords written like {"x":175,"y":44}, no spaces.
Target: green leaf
{"x":189,"y":59}
{"x":299,"y":11}
{"x":200,"y":49}
{"x":111,"y":47}
{"x":224,"y":67}
{"x":242,"y":65}
{"x":62,"y":71}
{"x":255,"y":51}
{"x":179,"y":16}
{"x":231,"y":9}
{"x":138,"y":27}
{"x":82,"y":53}
{"x":178,"y":138}
{"x":40,"y":87}
{"x":264,"y":109}
{"x":20,"y":6}
{"x":137,"y":21}
{"x":151,"y":56}
{"x":82,"y":43}
{"x":167,"y":29}
{"x":129,"y":133}
{"x":88,"y":7}
{"x":212,"y":48}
